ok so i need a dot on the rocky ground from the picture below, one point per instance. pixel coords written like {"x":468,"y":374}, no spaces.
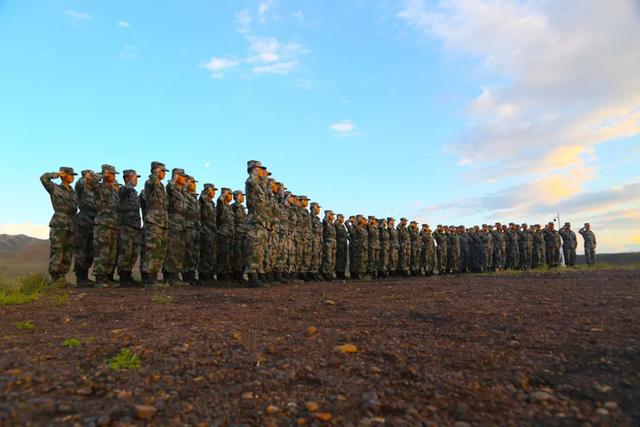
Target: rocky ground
{"x":526,"y":349}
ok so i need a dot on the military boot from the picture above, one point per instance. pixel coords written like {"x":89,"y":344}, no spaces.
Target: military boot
{"x":126,"y":280}
{"x":263,"y":278}
{"x":101,"y":282}
{"x":254,"y":281}
{"x":279,"y":277}
{"x":82,"y":279}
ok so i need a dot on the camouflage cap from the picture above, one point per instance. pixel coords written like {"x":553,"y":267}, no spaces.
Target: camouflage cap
{"x":303,"y":198}
{"x":86,"y":171}
{"x":238,"y":192}
{"x":312,"y":204}
{"x":209,"y":185}
{"x":327,"y":212}
{"x":158,"y":165}
{"x":340,"y":216}
{"x":68,"y":170}
{"x":390,"y":218}
{"x":109,"y":168}
{"x":129,"y":172}
{"x":403,"y":219}
{"x":372,"y":217}
{"x":191,"y":178}
{"x":178,"y":171}
{"x":524,"y":223}
{"x":225,"y":190}
{"x":254,"y":164}
{"x":425,"y":225}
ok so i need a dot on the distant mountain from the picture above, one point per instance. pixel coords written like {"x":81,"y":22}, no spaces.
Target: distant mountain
{"x":23,"y":254}
{"x":9,"y":243}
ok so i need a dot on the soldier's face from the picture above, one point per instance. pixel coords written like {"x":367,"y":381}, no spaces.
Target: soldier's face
{"x":275,"y":187}
{"x":340,"y":220}
{"x":160,"y":173}
{"x":181,"y":180}
{"x":391,"y":223}
{"x":305,"y":203}
{"x":132,"y":179}
{"x":227,"y":196}
{"x":67,"y":178}
{"x":212,"y":192}
{"x":192,"y":187}
{"x":330,"y":217}
{"x":108,"y":177}
{"x":587,"y":226}
{"x":262,"y":173}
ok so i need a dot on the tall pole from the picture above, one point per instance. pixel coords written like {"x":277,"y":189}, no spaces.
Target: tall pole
{"x":561,"y":251}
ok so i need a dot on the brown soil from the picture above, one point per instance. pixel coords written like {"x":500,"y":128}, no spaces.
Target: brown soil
{"x":530,"y":349}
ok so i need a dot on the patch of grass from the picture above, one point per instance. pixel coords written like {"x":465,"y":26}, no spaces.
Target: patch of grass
{"x":59,"y":297}
{"x":26,"y":326}
{"x":23,"y":289}
{"x":162,"y":299}
{"x":125,"y":359}
{"x":71,"y":343}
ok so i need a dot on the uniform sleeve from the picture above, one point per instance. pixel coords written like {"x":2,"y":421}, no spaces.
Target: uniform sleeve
{"x":45,"y":179}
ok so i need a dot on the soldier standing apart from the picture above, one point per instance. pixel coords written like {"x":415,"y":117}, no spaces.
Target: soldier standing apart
{"x":441,"y":249}
{"x":106,"y":226}
{"x":154,"y":203}
{"x":373,"y":246}
{"x":257,"y":218}
{"x":226,"y":223}
{"x":192,"y":233}
{"x":83,"y":241}
{"x":328,"y":246}
{"x":404,"y":247}
{"x":394,"y":248}
{"x":61,"y":227}
{"x":589,"y":243}
{"x":177,"y":192}
{"x":208,"y":235}
{"x":130,"y":227}
{"x":342,"y":254}
{"x":316,"y":242}
{"x":569,"y":244}
{"x":383,"y":234}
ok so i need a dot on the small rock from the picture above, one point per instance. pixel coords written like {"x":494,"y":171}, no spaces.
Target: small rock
{"x":84,"y":391}
{"x":312,"y":330}
{"x":602,"y":411}
{"x":272,"y":409}
{"x":248,"y":395}
{"x":375,"y":370}
{"x":322,"y":416}
{"x":301,"y":421}
{"x":312,"y":406}
{"x":123,"y":394}
{"x":144,"y":412}
{"x":611,"y":405}
{"x":345,"y":348}
{"x":539,"y":396}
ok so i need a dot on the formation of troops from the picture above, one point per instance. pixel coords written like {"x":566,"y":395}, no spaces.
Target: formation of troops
{"x":188,"y":238}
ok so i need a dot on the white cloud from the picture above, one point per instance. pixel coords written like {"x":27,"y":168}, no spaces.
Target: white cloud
{"x":242,"y":20}
{"x":276,"y":68}
{"x":274,"y":56}
{"x":263,"y":8}
{"x":218,"y":66}
{"x":123,"y":24}
{"x":343,"y":127}
{"x":83,"y":16}
{"x":40,"y":231}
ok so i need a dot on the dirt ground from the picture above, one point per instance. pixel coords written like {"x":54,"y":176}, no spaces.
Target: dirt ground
{"x":527,"y":349}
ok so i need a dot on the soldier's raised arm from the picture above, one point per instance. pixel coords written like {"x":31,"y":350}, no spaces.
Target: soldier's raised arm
{"x":46,"y":179}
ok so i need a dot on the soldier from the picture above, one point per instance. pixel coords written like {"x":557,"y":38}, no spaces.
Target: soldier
{"x":589,"y":243}
{"x":316,"y":242}
{"x":83,"y":241}
{"x":226,"y":224}
{"x":208,"y":235}
{"x":342,"y":247}
{"x":416,"y":244}
{"x":257,"y":234}
{"x":441,"y":249}
{"x":106,"y":226}
{"x":499,"y":247}
{"x":361,"y":257}
{"x":282,"y":211}
{"x":328,"y":246}
{"x":240,"y":229}
{"x":130,"y":227}
{"x":453,"y":250}
{"x":394,"y":246}
{"x":427,"y":252}
{"x":273,"y":246}
{"x":177,"y":195}
{"x":192,"y":233}
{"x":373,"y":247}
{"x":525,"y":243}
{"x":477,"y":248}
{"x":464,"y":249}
{"x":154,"y":203}
{"x":487,"y":247}
{"x":292,"y":236}
{"x":404,"y":247}
{"x":61,"y":227}
{"x":552,"y":245}
{"x":351,"y":228}
{"x":383,"y":259}
{"x":569,"y":244}
{"x":538,"y":258}
{"x":513,"y":251}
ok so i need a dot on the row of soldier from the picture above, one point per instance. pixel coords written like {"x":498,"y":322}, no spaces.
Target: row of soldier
{"x":195,"y":239}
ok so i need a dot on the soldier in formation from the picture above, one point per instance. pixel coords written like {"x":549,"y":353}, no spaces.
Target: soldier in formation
{"x":196,"y":239}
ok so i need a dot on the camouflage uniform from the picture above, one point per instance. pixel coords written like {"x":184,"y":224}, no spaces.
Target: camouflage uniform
{"x":274,"y":248}
{"x":589,"y":245}
{"x":106,"y":227}
{"x":284,"y":240}
{"x":208,"y":235}
{"x":552,"y":247}
{"x":342,"y":239}
{"x":441,"y":250}
{"x":539,"y":253}
{"x":513,"y":251}
{"x":176,"y":240}
{"x":61,"y":226}
{"x":328,"y":246}
{"x":192,"y":238}
{"x":300,"y":239}
{"x":499,"y":248}
{"x":307,"y":240}
{"x":130,"y":229}
{"x":385,"y":245}
{"x":226,"y":222}
{"x":569,"y":244}
{"x":477,"y":248}
{"x":361,"y":257}
{"x":427,"y":252}
{"x":525,"y":244}
{"x":373,"y":247}
{"x":257,"y":219}
{"x":453,"y":252}
{"x":292,"y":238}
{"x":463,"y":237}
{"x":486,"y":249}
{"x":351,"y":248}
{"x":394,"y":248}
{"x":416,"y":244}
{"x":404,"y":249}
{"x":316,"y":243}
{"x":154,"y":203}
{"x":83,"y":242}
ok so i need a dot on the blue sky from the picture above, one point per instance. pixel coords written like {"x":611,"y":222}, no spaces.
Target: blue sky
{"x":405,"y":108}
